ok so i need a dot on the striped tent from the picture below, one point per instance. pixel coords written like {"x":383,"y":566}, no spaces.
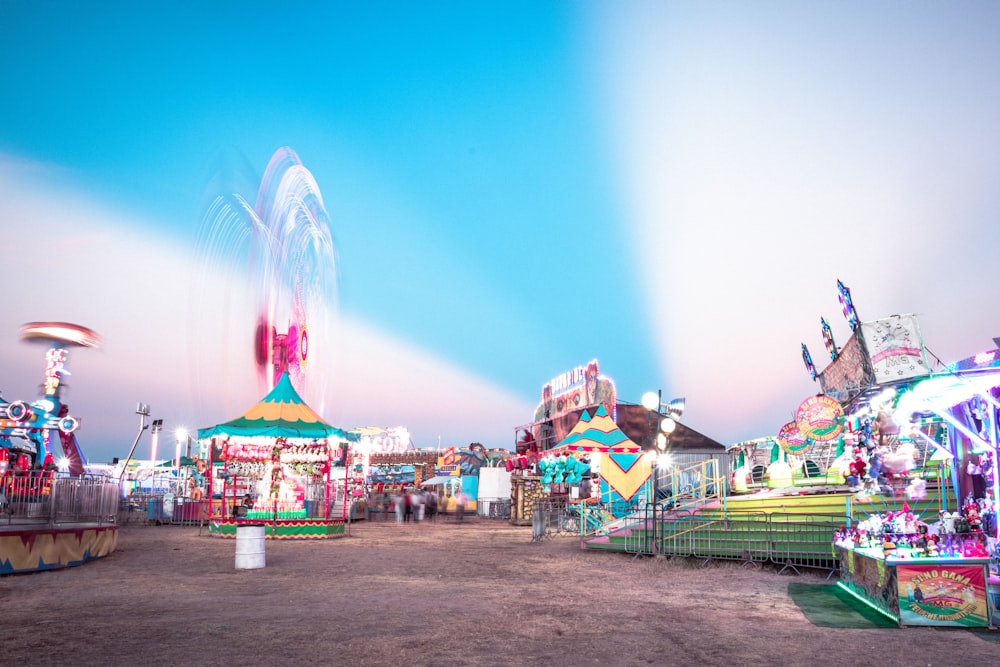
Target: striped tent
{"x":597,"y":434}
{"x":625,"y":471}
{"x":280,"y":414}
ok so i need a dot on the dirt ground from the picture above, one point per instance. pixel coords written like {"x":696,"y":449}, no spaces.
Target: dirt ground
{"x":435,"y":593}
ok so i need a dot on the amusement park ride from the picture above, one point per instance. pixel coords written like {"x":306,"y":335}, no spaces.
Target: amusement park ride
{"x":281,"y":249}
{"x":28,"y":430}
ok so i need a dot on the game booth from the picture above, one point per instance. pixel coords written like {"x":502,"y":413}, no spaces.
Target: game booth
{"x":921,"y":569}
{"x":596,"y":468}
{"x":277,"y":459}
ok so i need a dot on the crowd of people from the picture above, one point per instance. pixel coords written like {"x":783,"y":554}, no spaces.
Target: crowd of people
{"x":415,"y":504}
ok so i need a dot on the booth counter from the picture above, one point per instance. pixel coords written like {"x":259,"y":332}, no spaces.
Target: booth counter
{"x":941,"y":591}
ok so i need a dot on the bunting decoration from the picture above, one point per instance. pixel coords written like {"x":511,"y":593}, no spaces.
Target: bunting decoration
{"x":845,"y":302}
{"x":831,"y":346}
{"x":807,"y":359}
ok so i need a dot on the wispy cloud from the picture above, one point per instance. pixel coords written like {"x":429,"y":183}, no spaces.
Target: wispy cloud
{"x":83,"y":261}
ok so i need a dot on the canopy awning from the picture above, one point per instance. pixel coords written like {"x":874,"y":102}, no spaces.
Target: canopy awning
{"x":280,"y":414}
{"x":439,"y":479}
{"x":599,"y":433}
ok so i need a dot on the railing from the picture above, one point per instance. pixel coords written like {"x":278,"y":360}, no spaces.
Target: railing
{"x":493,"y":508}
{"x":679,"y":490}
{"x":46,"y":498}
{"x":551,"y":517}
{"x":785,"y":540}
{"x":688,"y":487}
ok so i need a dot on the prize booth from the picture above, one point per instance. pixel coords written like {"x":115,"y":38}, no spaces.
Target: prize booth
{"x":896,"y":566}
{"x":942,"y":572}
{"x":277,"y":460}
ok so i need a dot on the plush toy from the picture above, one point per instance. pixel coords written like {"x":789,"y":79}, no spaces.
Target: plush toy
{"x":863,"y":540}
{"x":917,"y":489}
{"x":971,"y":512}
{"x":902,"y":460}
{"x":856,"y":471}
{"x":875,"y":465}
{"x":888,"y":547}
{"x":931,"y":549}
{"x":946,"y":523}
{"x":865,"y":434}
{"x":976,"y":547}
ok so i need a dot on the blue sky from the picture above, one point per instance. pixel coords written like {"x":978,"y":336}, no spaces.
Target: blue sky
{"x":513,"y":188}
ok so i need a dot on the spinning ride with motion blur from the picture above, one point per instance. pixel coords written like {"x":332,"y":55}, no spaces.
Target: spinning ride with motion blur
{"x":74,"y":511}
{"x":28,"y":431}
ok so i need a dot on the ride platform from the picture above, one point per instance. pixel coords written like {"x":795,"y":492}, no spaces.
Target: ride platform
{"x":27,"y":547}
{"x":290,"y":529}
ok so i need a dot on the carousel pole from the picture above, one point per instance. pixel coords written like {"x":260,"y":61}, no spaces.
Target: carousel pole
{"x":347,"y":473}
{"x":211,"y":474}
{"x":326,"y":486}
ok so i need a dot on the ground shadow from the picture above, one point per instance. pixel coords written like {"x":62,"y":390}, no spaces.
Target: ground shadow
{"x":829,"y":606}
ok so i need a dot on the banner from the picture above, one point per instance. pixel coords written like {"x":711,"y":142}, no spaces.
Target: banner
{"x":820,"y":418}
{"x":942,"y":594}
{"x":896,"y":348}
{"x":791,"y":439}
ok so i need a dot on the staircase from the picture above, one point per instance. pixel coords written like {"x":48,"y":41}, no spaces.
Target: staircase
{"x":680,"y":491}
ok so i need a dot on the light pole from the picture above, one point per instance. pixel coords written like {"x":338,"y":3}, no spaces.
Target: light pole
{"x":154,"y":438}
{"x":666,"y":416}
{"x":180,"y":436}
{"x":184,"y":437}
{"x":142,"y":410}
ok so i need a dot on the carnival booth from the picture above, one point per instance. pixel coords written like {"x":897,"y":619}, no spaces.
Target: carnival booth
{"x":595,"y":464}
{"x":278,"y":457}
{"x":619,"y":470}
{"x":918,"y":574}
{"x":940,"y":571}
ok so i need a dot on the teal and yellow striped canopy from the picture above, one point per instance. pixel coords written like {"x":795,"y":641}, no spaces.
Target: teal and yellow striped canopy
{"x":597,"y":434}
{"x":280,"y":414}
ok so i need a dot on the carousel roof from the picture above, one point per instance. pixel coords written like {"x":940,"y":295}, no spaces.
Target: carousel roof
{"x":280,"y":414}
{"x":599,"y":433}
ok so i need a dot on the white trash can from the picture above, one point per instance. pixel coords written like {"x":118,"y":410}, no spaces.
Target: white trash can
{"x":249,"y":546}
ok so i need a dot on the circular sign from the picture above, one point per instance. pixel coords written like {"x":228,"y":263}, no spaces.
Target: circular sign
{"x":791,"y":439}
{"x":820,"y":418}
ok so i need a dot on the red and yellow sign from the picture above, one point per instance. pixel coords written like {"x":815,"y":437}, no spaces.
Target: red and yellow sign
{"x":820,"y":418}
{"x":942,"y":594}
{"x":791,"y":439}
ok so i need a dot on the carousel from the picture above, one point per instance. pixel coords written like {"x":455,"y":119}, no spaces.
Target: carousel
{"x":277,"y":459}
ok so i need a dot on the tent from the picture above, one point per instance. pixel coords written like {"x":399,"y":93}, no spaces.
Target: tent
{"x":440,"y":479}
{"x":597,"y":434}
{"x":280,"y":414}
{"x":281,"y":419}
{"x":624,"y":470}
{"x":169,"y":463}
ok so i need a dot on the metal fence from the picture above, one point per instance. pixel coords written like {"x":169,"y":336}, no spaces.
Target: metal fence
{"x":790,"y":541}
{"x":43,"y":498}
{"x":493,"y":508}
{"x":787,"y":540}
{"x":551,"y":517}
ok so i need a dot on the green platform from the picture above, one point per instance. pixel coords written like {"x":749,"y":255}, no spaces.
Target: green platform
{"x":790,"y":527}
{"x":304,"y":529}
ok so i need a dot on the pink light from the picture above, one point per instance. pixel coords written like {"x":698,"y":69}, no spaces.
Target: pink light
{"x":984,"y":358}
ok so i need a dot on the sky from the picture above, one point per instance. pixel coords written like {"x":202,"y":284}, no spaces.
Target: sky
{"x":513,"y":190}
